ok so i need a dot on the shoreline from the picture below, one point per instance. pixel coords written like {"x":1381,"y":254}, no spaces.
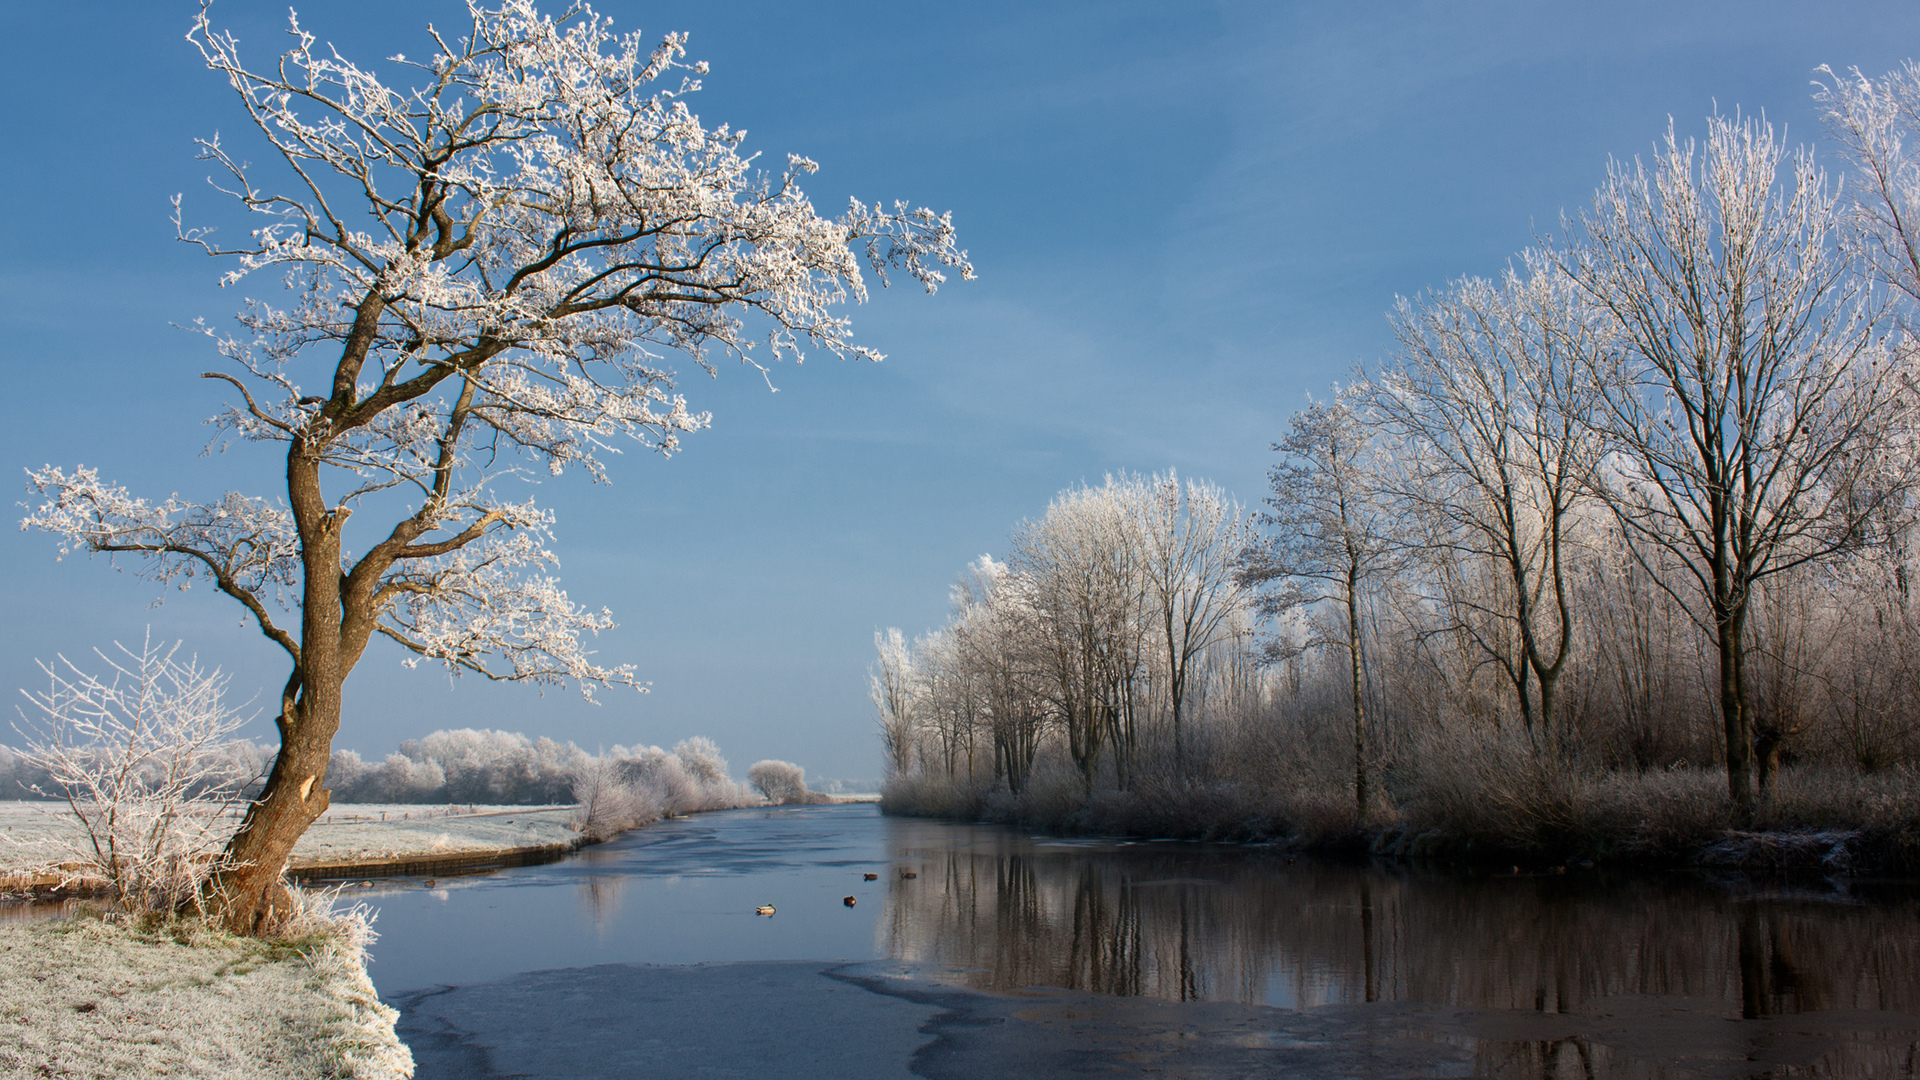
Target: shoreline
{"x":454,"y":863}
{"x":437,"y":863}
{"x":42,"y":888}
{"x":1647,"y":834}
{"x":1832,"y":852}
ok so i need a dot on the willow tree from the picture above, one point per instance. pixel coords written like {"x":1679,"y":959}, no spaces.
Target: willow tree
{"x":482,"y":273}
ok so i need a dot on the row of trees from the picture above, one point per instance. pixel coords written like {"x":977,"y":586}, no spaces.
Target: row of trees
{"x":1660,"y":469}
{"x":1106,"y":627}
{"x":498,"y":768}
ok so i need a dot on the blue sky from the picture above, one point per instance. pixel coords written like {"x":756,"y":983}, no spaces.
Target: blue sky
{"x":1186,"y":217}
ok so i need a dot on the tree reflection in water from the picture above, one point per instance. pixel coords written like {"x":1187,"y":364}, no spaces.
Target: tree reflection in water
{"x":1180,"y":923}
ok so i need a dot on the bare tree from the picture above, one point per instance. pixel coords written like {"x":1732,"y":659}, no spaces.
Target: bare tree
{"x":130,"y":755}
{"x":1748,"y":391}
{"x":892,"y":683}
{"x":1193,"y":536}
{"x":1326,"y":538}
{"x":1081,"y":565}
{"x":994,"y":633}
{"x":1488,"y":391}
{"x":480,"y":268}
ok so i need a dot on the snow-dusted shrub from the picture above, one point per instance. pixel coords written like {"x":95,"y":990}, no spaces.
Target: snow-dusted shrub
{"x":781,"y":782}
{"x":701,"y":758}
{"x":609,"y":803}
{"x":653,"y":770}
{"x":703,"y":765}
{"x":136,"y":758}
{"x":499,"y":767}
{"x":461,"y":766}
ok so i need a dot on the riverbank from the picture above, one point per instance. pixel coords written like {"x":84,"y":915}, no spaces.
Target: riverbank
{"x":352,"y":840}
{"x":1814,"y":821}
{"x":91,"y":996}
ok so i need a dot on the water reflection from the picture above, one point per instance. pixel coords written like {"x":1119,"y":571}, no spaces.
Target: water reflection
{"x":1181,"y":923}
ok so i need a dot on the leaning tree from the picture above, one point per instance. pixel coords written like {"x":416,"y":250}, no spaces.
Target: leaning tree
{"x":482,"y":274}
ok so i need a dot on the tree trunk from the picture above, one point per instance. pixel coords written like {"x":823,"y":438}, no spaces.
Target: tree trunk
{"x":1179,"y":740}
{"x":1767,"y":742}
{"x":1360,"y":794}
{"x":249,"y":896}
{"x":1549,"y":683}
{"x":1733,"y":712}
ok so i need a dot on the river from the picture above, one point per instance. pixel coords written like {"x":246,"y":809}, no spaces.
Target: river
{"x":1005,"y":954}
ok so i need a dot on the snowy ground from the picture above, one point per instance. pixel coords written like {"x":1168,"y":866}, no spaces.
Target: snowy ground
{"x":347,"y":832}
{"x":82,"y":997}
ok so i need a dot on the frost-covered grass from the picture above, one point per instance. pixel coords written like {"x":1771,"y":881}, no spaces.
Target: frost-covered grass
{"x":1815,"y":818}
{"x":348,"y":832}
{"x":95,"y":996}
{"x":357,"y":831}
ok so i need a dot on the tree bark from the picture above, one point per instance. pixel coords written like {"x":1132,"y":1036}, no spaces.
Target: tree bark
{"x":249,"y":895}
{"x":1733,"y":711}
{"x":1360,"y":793}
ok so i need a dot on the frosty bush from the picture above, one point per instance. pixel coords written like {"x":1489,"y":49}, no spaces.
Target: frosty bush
{"x":137,"y":758}
{"x":508,"y":768}
{"x":609,"y":803}
{"x":692,"y":777}
{"x":781,"y":782}
{"x":461,"y":766}
{"x":701,"y":758}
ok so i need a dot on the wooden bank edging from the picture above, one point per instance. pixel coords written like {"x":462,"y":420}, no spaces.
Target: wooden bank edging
{"x":450,"y":862}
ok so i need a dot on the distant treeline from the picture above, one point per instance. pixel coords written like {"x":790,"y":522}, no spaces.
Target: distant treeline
{"x":467,"y":766}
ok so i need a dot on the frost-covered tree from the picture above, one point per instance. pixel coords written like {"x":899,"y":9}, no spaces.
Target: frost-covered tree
{"x":484,"y":264}
{"x":891,"y":682}
{"x":1876,"y":122}
{"x":995,"y":636}
{"x":1750,"y":389}
{"x":1488,"y":395}
{"x":1081,"y":568}
{"x":1192,"y":537}
{"x":1328,"y":535}
{"x":782,"y":782}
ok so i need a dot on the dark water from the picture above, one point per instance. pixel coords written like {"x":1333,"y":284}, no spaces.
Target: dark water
{"x":1543,"y":975}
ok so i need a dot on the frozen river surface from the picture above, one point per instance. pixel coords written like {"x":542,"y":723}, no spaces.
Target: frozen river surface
{"x":1008,"y":955}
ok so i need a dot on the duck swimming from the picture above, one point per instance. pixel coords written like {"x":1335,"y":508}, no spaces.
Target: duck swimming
{"x":763,"y":909}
